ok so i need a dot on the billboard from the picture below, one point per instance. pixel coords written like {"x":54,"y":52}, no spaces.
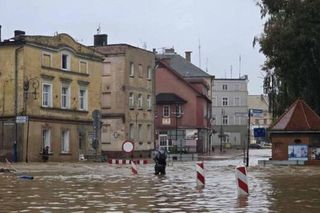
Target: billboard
{"x":298,"y":152}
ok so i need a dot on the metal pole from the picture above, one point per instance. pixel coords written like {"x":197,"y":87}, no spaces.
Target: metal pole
{"x":27,"y":145}
{"x":248,"y":142}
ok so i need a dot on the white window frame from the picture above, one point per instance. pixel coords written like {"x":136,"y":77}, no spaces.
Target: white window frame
{"x":65,"y":98}
{"x":140,"y":71}
{"x":131,"y":67}
{"x":149,"y":103}
{"x":131,"y":100}
{"x":179,"y":110}
{"x":68,"y":60}
{"x":83,"y":61}
{"x":166,"y":111}
{"x":224,"y":87}
{"x":225,"y":101}
{"x":235,"y":102}
{"x":140,"y":101}
{"x":65,"y":141}
{"x":83,"y":99}
{"x":225,"y":120}
{"x":214,"y":101}
{"x":131,"y":131}
{"x":149,"y":73}
{"x":46,"y":139}
{"x":47,"y":100}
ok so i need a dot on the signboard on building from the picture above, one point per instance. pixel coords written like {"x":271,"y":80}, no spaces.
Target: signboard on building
{"x":21,"y":119}
{"x":298,"y":152}
{"x":166,"y":121}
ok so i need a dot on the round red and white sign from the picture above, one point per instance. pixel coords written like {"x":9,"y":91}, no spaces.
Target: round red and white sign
{"x":127,"y":146}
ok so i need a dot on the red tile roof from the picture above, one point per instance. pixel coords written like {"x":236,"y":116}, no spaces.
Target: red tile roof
{"x":299,"y":117}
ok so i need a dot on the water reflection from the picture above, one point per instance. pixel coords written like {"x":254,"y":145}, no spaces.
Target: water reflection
{"x":105,"y":188}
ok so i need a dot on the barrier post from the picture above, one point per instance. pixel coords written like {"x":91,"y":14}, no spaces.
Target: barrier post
{"x":242,"y":180}
{"x":200,"y":174}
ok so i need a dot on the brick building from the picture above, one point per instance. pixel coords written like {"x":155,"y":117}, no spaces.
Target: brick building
{"x":183,"y":91}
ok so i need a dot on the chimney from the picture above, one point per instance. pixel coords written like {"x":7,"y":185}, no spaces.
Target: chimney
{"x":19,"y":33}
{"x":100,"y":40}
{"x":188,"y":56}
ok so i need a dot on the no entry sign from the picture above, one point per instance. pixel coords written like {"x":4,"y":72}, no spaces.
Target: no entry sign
{"x":127,"y":146}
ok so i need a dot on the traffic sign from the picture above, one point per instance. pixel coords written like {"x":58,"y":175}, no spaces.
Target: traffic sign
{"x":127,"y":146}
{"x":256,"y":112}
{"x":259,"y":132}
{"x":21,"y":119}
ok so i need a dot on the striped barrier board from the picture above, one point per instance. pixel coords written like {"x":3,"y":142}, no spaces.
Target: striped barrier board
{"x":200,"y":174}
{"x":242,"y":181}
{"x":122,"y":161}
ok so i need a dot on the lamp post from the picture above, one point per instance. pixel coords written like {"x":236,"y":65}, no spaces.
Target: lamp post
{"x":26,"y":86}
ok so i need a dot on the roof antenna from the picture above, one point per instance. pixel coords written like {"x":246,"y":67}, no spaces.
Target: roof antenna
{"x":239,"y":65}
{"x":99,"y":29}
{"x":207,"y":64}
{"x":199,"y":54}
{"x":231,"y":71}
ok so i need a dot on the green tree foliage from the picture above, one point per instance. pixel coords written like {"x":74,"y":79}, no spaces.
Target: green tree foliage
{"x":291,"y":44}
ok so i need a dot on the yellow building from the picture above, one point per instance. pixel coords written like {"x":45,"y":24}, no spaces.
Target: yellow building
{"x":49,"y":87}
{"x":127,"y":101}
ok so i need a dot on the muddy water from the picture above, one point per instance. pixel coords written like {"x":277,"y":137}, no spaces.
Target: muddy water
{"x":107,"y":188}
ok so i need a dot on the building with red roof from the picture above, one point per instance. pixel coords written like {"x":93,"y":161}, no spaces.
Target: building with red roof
{"x":296,"y":134}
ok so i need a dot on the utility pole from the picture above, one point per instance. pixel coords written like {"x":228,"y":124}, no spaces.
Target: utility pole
{"x":248,"y":142}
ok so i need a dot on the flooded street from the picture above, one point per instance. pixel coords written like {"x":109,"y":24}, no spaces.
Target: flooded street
{"x":101,"y":187}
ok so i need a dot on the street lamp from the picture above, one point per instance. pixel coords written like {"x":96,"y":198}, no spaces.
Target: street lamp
{"x":26,"y":86}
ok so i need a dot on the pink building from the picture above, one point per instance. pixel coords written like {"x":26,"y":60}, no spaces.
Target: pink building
{"x":183,"y":105}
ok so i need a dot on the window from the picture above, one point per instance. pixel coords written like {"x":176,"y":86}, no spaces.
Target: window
{"x":225,"y":120}
{"x":131,"y":132}
{"x":46,"y":95}
{"x":140,"y":101}
{"x":65,"y":96}
{"x":131,"y":100}
{"x":149,"y":104}
{"x":224,"y":87}
{"x":149,"y":73}
{"x":224,"y":101}
{"x":131,"y":69}
{"x":236,"y":101}
{"x":106,"y":100}
{"x":179,"y":110}
{"x":166,"y":111}
{"x":83,"y":98}
{"x":83,"y":67}
{"x":46,"y":139}
{"x":65,"y":141}
{"x":46,"y":59}
{"x":149,"y":133}
{"x":214,"y":101}
{"x":140,"y":132}
{"x":65,"y":61}
{"x":106,"y":69}
{"x":140,"y":71}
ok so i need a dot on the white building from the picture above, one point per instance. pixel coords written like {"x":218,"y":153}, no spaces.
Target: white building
{"x":230,"y":112}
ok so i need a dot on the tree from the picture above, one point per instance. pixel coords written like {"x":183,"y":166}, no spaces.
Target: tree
{"x":291,"y":44}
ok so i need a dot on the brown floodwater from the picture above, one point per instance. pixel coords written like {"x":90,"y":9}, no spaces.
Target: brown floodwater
{"x":101,"y":187}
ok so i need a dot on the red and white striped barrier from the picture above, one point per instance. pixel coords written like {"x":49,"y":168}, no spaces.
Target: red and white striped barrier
{"x":122,"y":161}
{"x":200,"y":174}
{"x":242,"y":181}
{"x":134,"y":169}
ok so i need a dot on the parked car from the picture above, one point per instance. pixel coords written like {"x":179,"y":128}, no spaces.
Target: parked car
{"x":255,"y":146}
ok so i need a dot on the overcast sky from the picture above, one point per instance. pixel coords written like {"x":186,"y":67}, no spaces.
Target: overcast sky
{"x":224,"y":28}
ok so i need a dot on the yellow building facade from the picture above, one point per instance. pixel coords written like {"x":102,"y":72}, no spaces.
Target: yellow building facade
{"x":127,"y":100}
{"x":49,"y":87}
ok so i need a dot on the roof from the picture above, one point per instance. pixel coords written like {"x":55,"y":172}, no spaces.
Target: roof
{"x":258,"y":102}
{"x":169,"y":98}
{"x":117,"y":49}
{"x":299,"y":117}
{"x":182,"y":66}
